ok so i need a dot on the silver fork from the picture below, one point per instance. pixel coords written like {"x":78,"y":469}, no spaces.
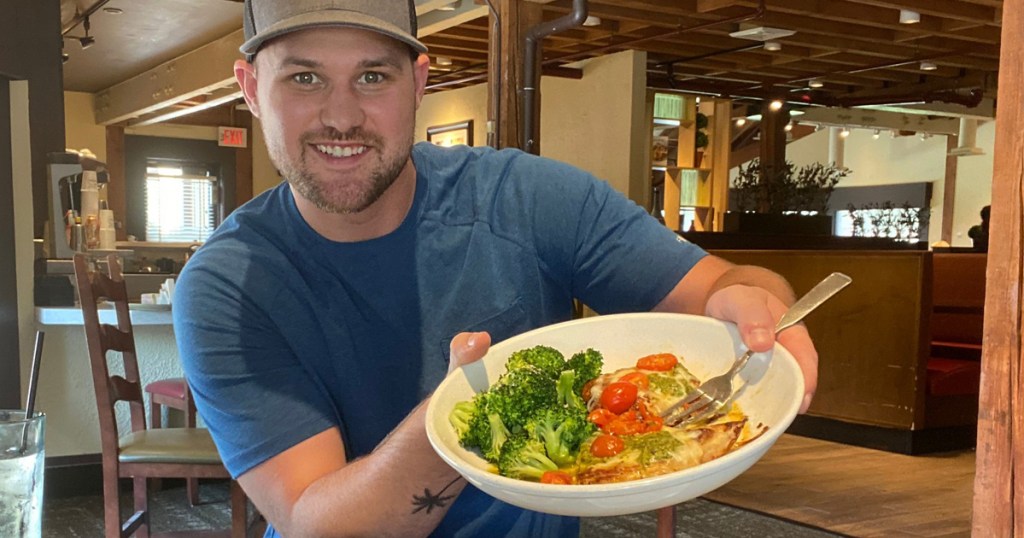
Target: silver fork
{"x":717,"y":392}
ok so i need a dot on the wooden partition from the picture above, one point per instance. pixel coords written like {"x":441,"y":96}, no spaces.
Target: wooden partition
{"x":871,"y":339}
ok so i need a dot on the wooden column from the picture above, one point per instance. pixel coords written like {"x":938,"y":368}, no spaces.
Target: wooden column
{"x":506,"y":58}
{"x":117,"y":193}
{"x":773,"y":141}
{"x":998,"y":496}
{"x":721,"y":146}
{"x":949,"y":191}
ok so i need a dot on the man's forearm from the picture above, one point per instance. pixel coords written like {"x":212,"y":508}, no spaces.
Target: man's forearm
{"x":401,"y":489}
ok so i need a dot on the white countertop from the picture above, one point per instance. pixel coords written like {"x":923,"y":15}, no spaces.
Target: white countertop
{"x":141,"y":315}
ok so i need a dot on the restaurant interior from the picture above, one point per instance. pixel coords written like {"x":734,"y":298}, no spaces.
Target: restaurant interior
{"x":806,"y":136}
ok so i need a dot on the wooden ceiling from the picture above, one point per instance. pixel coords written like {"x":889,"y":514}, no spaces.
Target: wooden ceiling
{"x":858,"y":49}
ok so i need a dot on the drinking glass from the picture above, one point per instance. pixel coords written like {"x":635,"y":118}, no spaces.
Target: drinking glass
{"x":22,"y":458}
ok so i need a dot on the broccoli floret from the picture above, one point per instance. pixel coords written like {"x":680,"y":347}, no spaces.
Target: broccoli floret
{"x":460,"y":418}
{"x":523,"y":457}
{"x":498,"y":437}
{"x":587,"y":365}
{"x":548,"y":360}
{"x":561,"y":431}
{"x":484,"y":429}
{"x":565,"y":389}
{"x":520,"y":394}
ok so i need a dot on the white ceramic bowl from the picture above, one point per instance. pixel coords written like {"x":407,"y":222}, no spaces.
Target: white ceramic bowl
{"x":771,"y":397}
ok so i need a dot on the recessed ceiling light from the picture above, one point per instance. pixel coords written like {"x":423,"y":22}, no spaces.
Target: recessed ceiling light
{"x":592,"y":21}
{"x":788,"y":127}
{"x":909,"y":17}
{"x":113,"y":10}
{"x":773,"y":46}
{"x":928,"y":66}
{"x":816,"y":83}
{"x":740,"y":122}
{"x":876,"y":134}
{"x":442,"y":60}
{"x":776,"y":105}
{"x":844,"y":133}
{"x":448,"y":7}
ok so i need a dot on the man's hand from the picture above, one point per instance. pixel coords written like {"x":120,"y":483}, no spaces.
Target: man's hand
{"x":467,"y":348}
{"x":753,"y":298}
{"x":755,"y":311}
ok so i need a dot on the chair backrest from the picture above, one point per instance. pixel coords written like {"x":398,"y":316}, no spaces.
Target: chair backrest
{"x":93,"y":287}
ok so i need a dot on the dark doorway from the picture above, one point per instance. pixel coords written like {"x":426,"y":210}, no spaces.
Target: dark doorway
{"x":10,"y":362}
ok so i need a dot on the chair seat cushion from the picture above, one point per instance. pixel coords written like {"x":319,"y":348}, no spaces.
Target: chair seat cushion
{"x":169,"y":445}
{"x":953,"y":377}
{"x":172,"y":387}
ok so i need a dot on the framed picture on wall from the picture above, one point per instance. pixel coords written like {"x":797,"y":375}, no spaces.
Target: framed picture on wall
{"x":452,"y":134}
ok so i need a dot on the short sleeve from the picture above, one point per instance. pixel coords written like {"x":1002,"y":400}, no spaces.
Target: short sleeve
{"x":250,"y":388}
{"x":616,"y":256}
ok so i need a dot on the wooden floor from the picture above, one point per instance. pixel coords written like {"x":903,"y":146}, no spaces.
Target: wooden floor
{"x":858,"y":491}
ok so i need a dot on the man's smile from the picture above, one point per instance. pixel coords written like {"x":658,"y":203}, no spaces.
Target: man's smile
{"x":340,"y":151}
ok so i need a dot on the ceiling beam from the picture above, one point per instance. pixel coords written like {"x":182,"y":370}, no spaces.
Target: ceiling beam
{"x":202,"y":71}
{"x":879,"y":119}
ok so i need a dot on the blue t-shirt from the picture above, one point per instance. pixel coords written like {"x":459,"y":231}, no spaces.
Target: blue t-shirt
{"x":284,"y":334}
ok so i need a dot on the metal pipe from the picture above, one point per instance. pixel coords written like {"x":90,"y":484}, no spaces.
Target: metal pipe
{"x":531,"y":74}
{"x":494,"y":82}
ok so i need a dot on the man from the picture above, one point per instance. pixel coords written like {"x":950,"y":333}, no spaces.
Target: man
{"x":316,"y":321}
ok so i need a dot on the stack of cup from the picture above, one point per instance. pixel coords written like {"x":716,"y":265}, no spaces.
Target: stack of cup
{"x":107,"y":234}
{"x":90,"y":202}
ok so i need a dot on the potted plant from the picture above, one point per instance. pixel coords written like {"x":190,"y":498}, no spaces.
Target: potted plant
{"x":787,"y":200}
{"x":700,"y":139}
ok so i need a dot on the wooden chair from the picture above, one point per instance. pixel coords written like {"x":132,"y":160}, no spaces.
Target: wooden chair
{"x":143,"y":453}
{"x":173,"y":392}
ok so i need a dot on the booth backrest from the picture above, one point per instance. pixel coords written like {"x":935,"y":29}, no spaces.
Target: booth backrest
{"x":958,"y":298}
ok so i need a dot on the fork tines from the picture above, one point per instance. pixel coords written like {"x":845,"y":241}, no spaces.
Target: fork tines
{"x":696,"y":406}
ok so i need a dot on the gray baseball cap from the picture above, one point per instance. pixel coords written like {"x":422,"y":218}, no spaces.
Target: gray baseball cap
{"x":267,"y":19}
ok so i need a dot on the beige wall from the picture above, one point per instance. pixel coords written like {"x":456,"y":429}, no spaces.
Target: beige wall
{"x":454,"y":106}
{"x":80,"y":128}
{"x":24,"y":255}
{"x":588,"y":123}
{"x":596,"y":123}
{"x":909,"y":159}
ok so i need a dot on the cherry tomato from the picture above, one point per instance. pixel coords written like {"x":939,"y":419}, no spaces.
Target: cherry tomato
{"x":625,"y":424}
{"x":661,"y":362}
{"x":618,"y":397}
{"x":601,"y":416}
{"x":555,"y":477}
{"x":606,"y":446}
{"x":637,"y":378}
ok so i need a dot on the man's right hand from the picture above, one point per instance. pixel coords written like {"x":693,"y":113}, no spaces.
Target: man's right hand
{"x":467,"y":348}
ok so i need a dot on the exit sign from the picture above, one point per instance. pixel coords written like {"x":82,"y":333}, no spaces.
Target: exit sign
{"x":232,"y":137}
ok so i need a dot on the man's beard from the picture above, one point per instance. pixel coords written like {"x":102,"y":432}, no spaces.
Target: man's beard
{"x":350,"y":195}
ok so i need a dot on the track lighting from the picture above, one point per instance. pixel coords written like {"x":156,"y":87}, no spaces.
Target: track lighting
{"x":844,"y":133}
{"x":772,"y":46}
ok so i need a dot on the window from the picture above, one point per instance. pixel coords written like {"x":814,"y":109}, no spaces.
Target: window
{"x":899,"y":223}
{"x":181,"y":202}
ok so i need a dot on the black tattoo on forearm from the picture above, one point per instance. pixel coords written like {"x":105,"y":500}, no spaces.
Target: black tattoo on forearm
{"x":429,"y":501}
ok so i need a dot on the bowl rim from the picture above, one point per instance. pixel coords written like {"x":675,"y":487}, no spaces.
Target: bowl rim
{"x":752,"y":450}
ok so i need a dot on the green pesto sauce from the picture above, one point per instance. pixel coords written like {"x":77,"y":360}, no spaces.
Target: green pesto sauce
{"x":652,"y":446}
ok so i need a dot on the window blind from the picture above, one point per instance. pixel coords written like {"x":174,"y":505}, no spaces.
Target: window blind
{"x":179,"y":207}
